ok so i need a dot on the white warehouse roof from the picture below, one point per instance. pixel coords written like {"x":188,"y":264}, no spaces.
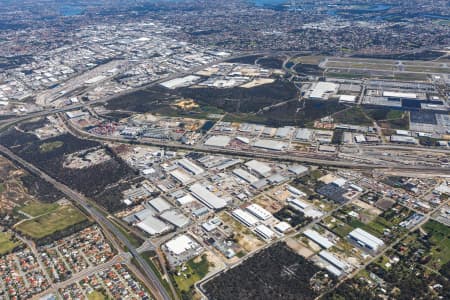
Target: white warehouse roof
{"x":318,"y":238}
{"x":244,"y":217}
{"x":153,"y":226}
{"x":181,"y":244}
{"x":241,"y":173}
{"x":399,"y":95}
{"x":259,"y":212}
{"x":270,"y":145}
{"x":190,"y":166}
{"x":260,"y":168}
{"x":218,"y":141}
{"x":265,"y":232}
{"x":366,"y":239}
{"x":206,"y":197}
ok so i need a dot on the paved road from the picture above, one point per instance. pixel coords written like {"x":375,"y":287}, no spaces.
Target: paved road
{"x":158,"y":289}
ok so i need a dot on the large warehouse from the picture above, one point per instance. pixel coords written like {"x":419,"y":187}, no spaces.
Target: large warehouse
{"x":366,"y":240}
{"x":206,"y":197}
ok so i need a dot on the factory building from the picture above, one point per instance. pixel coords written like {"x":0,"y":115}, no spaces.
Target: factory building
{"x":244,"y":217}
{"x":206,"y":197}
{"x":366,"y":240}
{"x":190,"y":166}
{"x":264,"y":232}
{"x":244,"y":175}
{"x":259,"y":168}
{"x":259,"y":212}
{"x":318,"y":238}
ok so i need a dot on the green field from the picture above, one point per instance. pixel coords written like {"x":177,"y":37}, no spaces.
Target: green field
{"x":47,"y":147}
{"x":7,"y":244}
{"x":193,"y":273}
{"x":59,"y":219}
{"x":35,"y":209}
{"x":440,"y":241}
{"x":97,"y":295}
{"x":353,"y":116}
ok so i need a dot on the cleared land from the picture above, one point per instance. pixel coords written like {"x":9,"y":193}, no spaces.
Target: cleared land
{"x":35,"y":209}
{"x":57,"y":220}
{"x":196,"y":269}
{"x":7,"y":243}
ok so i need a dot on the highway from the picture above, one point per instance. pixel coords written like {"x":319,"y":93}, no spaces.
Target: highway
{"x":158,"y":289}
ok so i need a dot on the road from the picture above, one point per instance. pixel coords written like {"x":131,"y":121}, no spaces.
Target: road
{"x":157,"y":288}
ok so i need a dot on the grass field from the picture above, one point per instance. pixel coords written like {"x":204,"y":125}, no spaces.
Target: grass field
{"x":6,"y":243}
{"x":440,"y":239}
{"x":47,"y":147}
{"x":195,"y":270}
{"x":35,"y":209}
{"x":96,"y":295}
{"x":59,"y":219}
{"x":353,"y":115}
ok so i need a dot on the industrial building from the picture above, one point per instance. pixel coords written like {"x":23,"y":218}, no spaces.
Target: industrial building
{"x":259,"y":212}
{"x":365,"y":240}
{"x":190,"y":166}
{"x":153,"y":226}
{"x":175,"y":218}
{"x":282,"y":227}
{"x":332,"y":259}
{"x":218,"y":141}
{"x":265,"y":232}
{"x":403,"y":139}
{"x":181,"y":176}
{"x":206,"y":197}
{"x":270,"y":145}
{"x":244,"y":217}
{"x":244,"y":175}
{"x":182,"y":248}
{"x":323,"y":90}
{"x":259,"y":168}
{"x":159,"y":204}
{"x":318,"y":238}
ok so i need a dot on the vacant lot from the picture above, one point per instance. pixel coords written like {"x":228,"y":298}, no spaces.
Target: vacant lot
{"x":35,"y":209}
{"x":7,"y":243}
{"x":58,"y":220}
{"x":196,"y":269}
{"x":439,"y":238}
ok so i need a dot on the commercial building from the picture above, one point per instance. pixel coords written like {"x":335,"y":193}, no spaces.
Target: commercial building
{"x":366,"y":240}
{"x":206,"y":197}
